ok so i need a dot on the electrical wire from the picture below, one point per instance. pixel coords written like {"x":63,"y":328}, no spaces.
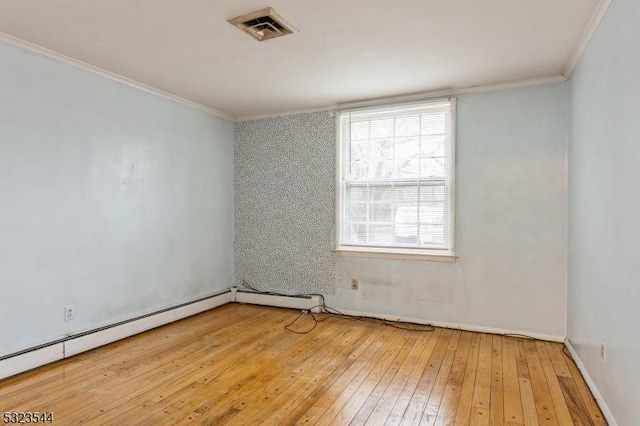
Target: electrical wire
{"x":566,"y":353}
{"x":335,"y":313}
{"x":291,"y":330}
{"x":330,"y":313}
{"x":520,"y":336}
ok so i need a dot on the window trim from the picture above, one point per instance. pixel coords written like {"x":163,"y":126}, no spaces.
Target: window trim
{"x":426,"y":254}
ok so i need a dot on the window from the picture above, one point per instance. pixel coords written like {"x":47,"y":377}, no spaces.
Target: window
{"x":395,"y":173}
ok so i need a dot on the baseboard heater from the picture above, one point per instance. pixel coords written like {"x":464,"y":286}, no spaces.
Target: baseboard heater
{"x":311,"y":303}
{"x":74,"y":344}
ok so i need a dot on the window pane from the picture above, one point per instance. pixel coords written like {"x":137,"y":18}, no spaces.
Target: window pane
{"x":381,"y":128}
{"x":380,"y":169}
{"x":360,"y":131}
{"x":432,"y":193}
{"x":357,"y":193}
{"x":432,"y":213}
{"x":406,"y":194}
{"x":358,"y":212}
{"x":382,"y":148}
{"x":432,"y":146}
{"x":358,"y":233}
{"x":382,"y":234}
{"x":395,"y":187}
{"x":397,"y":214}
{"x":407,"y":126}
{"x":359,"y":149}
{"x":382,"y":193}
{"x":406,"y":224}
{"x":407,"y":168}
{"x":432,"y":167}
{"x":432,"y":124}
{"x":432,"y":235}
{"x":359,"y":169}
{"x":381,"y":212}
{"x":407,"y":147}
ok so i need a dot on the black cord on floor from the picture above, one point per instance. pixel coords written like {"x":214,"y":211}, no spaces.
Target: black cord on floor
{"x":291,"y":330}
{"x":334,"y":313}
{"x":566,"y":353}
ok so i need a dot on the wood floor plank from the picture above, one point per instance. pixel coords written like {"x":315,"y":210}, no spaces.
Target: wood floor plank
{"x":390,"y":397}
{"x":400,"y":407}
{"x":293,"y":398}
{"x":236,"y":365}
{"x":353,"y":376}
{"x":521,"y":358}
{"x":238,"y":390}
{"x":363,"y":414}
{"x":361,"y":394}
{"x":453,"y":389}
{"x":418,"y":401}
{"x":497,"y":386}
{"x":559,"y":403}
{"x":482,"y":391}
{"x":463,"y":411}
{"x":587,"y":397}
{"x":142,"y":358}
{"x":558,"y":359}
{"x":430,"y":413}
{"x":542,"y":397}
{"x":173,"y":375}
{"x":512,"y":397}
{"x":336,"y":401}
{"x":529,"y":413}
{"x":480,"y":417}
{"x":577,"y":409}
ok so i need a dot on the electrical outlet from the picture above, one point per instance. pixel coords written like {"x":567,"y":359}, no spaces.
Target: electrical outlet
{"x":603,"y":351}
{"x":70,"y":312}
{"x":354,"y":283}
{"x":339,"y":283}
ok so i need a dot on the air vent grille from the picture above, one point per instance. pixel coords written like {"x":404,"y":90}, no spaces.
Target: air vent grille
{"x":263,"y":25}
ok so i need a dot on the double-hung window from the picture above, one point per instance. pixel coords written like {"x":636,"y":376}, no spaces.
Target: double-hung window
{"x":395,"y":179}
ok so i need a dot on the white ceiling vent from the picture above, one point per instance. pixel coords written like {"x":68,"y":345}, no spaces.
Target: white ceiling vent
{"x":263,"y":24}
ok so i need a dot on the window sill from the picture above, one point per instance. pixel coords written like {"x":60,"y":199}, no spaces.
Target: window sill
{"x":430,"y":256}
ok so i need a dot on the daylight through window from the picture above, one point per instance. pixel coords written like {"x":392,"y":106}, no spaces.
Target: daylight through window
{"x":396,"y":178}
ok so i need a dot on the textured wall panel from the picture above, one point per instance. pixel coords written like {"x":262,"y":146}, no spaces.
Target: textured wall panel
{"x":285,"y":203}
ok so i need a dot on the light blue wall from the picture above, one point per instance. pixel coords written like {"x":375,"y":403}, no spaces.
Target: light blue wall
{"x":604,"y":209}
{"x":510,"y":225}
{"x":111,"y":198}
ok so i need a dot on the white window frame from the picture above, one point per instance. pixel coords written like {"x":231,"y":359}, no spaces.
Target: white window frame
{"x":410,"y":253}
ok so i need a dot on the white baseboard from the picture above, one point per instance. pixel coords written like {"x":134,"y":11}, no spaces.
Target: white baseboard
{"x":457,"y":326}
{"x":92,"y":340}
{"x":606,"y":412}
{"x":312,"y":303}
{"x":30,"y":360}
{"x":75,"y":344}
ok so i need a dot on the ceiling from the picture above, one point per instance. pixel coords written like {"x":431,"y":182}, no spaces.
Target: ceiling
{"x":345,"y":51}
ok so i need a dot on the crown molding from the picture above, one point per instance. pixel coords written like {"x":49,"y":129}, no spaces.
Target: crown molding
{"x":108,"y":74}
{"x":332,"y":107}
{"x":414,"y":97}
{"x":594,"y":23}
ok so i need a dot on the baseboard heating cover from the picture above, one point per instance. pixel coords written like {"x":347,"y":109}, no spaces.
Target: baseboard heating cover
{"x":74,"y":344}
{"x":311,"y":303}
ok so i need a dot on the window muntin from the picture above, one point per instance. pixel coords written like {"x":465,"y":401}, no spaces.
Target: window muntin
{"x":396,"y":176}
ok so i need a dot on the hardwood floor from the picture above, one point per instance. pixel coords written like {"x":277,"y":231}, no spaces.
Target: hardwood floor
{"x":237,"y":365}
